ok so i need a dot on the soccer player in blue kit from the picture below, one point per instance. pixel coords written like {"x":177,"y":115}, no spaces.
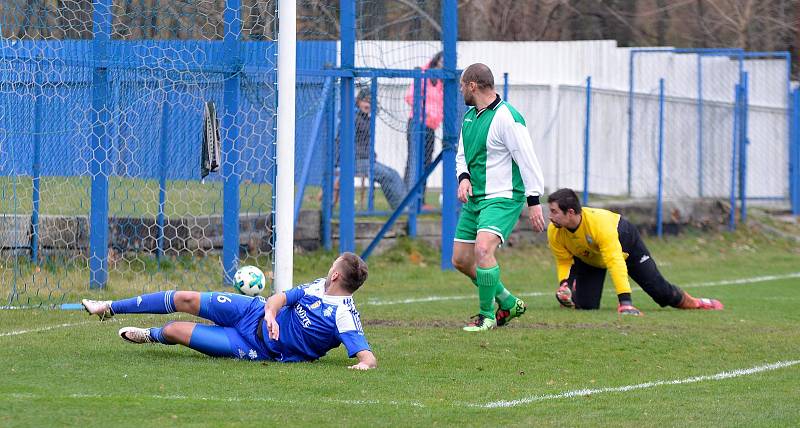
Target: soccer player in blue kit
{"x":302,"y":324}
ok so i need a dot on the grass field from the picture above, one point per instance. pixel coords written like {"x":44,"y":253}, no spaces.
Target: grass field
{"x":553,"y":366}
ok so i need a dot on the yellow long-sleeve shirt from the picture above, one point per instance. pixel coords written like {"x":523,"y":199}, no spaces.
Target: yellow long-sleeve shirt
{"x":595,"y":242}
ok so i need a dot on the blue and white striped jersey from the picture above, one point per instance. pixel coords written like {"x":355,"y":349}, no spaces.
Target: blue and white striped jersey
{"x":312,"y":323}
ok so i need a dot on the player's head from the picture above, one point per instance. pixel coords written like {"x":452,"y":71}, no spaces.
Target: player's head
{"x":476,"y":78}
{"x":363,"y":100}
{"x":565,"y":208}
{"x":349,"y":270}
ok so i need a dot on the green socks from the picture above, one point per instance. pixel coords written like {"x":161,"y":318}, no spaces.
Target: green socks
{"x":502,"y":296}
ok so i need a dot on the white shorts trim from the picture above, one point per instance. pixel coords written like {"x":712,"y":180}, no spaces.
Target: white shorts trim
{"x":466,"y":241}
{"x":493,"y":232}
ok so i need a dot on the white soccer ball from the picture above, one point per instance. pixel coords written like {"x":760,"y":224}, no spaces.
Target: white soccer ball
{"x":249,"y":280}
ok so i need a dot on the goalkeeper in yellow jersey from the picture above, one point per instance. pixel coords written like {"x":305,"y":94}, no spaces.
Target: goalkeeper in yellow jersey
{"x":587,"y":242}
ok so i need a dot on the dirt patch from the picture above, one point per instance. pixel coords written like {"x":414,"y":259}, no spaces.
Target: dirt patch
{"x":421,"y":324}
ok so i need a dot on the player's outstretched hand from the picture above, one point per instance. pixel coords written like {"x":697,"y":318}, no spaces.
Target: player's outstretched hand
{"x":628,"y":309}
{"x":360,"y":366}
{"x":536,"y":218}
{"x":464,"y":190}
{"x":272,"y":326}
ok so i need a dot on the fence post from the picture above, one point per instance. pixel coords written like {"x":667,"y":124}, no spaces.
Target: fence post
{"x":414,"y":156}
{"x":100,"y":144}
{"x":794,"y":163}
{"x":734,"y":161}
{"x":744,"y":141}
{"x":630,"y":119}
{"x":373,"y":117}
{"x":449,"y":131}
{"x":586,"y":136}
{"x":328,"y":178}
{"x":347,"y":218}
{"x":699,"y":125}
{"x":505,"y":86}
{"x":230,"y":156}
{"x":660,"y":205}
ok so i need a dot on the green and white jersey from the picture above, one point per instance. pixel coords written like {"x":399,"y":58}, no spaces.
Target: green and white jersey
{"x":496,"y":151}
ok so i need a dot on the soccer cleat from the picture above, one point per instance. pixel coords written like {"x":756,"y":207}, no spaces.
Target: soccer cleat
{"x":480,"y":323}
{"x":503,"y":316}
{"x":136,"y":335}
{"x":564,"y":295}
{"x":709,"y":304}
{"x":101,"y":308}
{"x":628,"y":309}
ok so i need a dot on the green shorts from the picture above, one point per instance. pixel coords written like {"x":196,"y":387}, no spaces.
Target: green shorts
{"x":496,"y":215}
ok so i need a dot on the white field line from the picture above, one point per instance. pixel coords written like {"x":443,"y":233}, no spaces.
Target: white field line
{"x":490,"y":405}
{"x":740,"y":281}
{"x":585,"y":392}
{"x":37,"y":330}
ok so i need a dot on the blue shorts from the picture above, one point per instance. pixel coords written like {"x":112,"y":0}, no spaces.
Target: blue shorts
{"x":237,"y":318}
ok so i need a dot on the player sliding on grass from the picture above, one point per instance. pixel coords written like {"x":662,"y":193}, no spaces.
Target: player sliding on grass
{"x":588,"y":241}
{"x":302,"y":324}
{"x":497,"y":173}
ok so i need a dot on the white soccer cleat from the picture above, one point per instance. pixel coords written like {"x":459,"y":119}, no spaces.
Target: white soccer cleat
{"x":101,"y":308}
{"x":136,"y":335}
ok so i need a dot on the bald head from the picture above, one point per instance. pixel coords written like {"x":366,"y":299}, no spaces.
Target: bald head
{"x":480,"y":74}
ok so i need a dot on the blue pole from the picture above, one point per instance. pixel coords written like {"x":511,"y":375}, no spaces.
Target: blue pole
{"x":794,"y":166}
{"x":743,"y":142}
{"x":347,"y":138}
{"x":162,"y":176}
{"x":36,"y":171}
{"x":734,"y":149}
{"x":327,"y":183}
{"x":373,"y":117}
{"x":660,"y":204}
{"x":414,"y":155}
{"x":700,"y":125}
{"x":586,"y":136}
{"x":505,"y":86}
{"x":312,"y":147}
{"x":450,"y":131}
{"x":100,"y":144}
{"x":630,"y":119}
{"x":230,"y":139}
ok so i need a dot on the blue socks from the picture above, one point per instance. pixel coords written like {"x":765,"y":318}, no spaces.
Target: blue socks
{"x":156,"y":334}
{"x":162,"y":302}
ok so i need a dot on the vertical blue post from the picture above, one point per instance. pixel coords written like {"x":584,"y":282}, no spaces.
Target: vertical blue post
{"x":414,"y":156}
{"x":700,"y":125}
{"x":162,"y":176}
{"x":586,"y":136}
{"x":743,"y":142}
{"x":347,"y":154}
{"x":230,"y":138}
{"x":660,"y":204}
{"x":450,"y":131}
{"x":734,"y":162}
{"x":630,"y":119}
{"x":373,"y":117}
{"x":100,"y":144}
{"x":36,"y":171}
{"x":794,"y":163}
{"x":327,"y":183}
{"x":505,"y":86}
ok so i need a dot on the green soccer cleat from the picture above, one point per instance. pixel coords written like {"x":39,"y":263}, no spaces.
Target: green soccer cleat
{"x":480,"y":323}
{"x":503,"y":316}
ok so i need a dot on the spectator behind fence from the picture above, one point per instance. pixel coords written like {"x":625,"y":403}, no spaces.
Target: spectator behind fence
{"x":389,"y":179}
{"x":434,"y":96}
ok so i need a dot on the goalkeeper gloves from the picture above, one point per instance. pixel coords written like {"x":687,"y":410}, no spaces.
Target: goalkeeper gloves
{"x":626,"y":308}
{"x":564,"y":294}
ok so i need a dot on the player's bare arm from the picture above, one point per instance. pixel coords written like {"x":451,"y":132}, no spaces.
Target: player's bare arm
{"x":536,"y":217}
{"x":464,"y":189}
{"x":274,"y":304}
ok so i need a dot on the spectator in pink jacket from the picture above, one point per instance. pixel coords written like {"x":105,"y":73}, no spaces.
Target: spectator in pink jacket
{"x":434,"y":96}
